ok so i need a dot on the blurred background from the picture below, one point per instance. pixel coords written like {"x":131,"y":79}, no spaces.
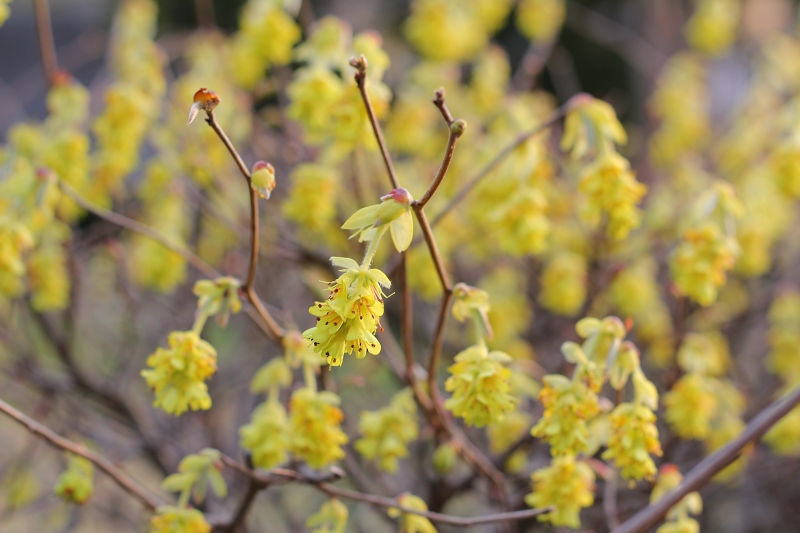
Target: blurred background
{"x":612,"y":49}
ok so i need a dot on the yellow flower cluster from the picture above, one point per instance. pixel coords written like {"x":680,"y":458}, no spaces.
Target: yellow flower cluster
{"x":331,"y":518}
{"x":634,"y":437}
{"x":609,"y":187}
{"x":568,"y":406}
{"x":678,"y":519}
{"x":170,"y":519}
{"x":314,"y":424}
{"x":541,"y":20}
{"x":713,"y":26}
{"x":328,"y":107}
{"x":635,"y":293}
{"x":75,"y":484}
{"x":266,"y":436}
{"x":451,"y":30}
{"x":681,"y":103}
{"x":178,"y":374}
{"x":348,"y":319}
{"x":612,"y":189}
{"x":784,"y":360}
{"x":411,"y":523}
{"x":387,"y":432}
{"x":564,"y":283}
{"x":480,"y":385}
{"x":266,"y":36}
{"x":568,"y":485}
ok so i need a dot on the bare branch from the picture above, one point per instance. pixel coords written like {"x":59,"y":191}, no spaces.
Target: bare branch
{"x":360,"y":64}
{"x":701,"y":474}
{"x":281,"y":474}
{"x":274,"y":330}
{"x":121,"y":478}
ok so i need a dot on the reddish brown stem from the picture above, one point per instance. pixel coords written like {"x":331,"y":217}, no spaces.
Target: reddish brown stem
{"x":360,"y":64}
{"x":47,"y":47}
{"x":274,"y":330}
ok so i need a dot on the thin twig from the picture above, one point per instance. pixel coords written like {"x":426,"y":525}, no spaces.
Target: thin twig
{"x":279,"y":474}
{"x":440,"y":102}
{"x":522,"y":138}
{"x":360,"y":64}
{"x":456,"y":130}
{"x":701,"y":474}
{"x":121,"y":478}
{"x":274,"y":330}
{"x":128,"y":223}
{"x":47,"y":47}
{"x":438,"y":262}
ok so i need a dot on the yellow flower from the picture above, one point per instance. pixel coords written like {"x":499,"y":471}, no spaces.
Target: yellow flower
{"x":690,"y":406}
{"x":348,"y":319}
{"x":266,"y":437}
{"x":591,"y":126}
{"x":568,"y":406}
{"x":612,"y":190}
{"x":219,"y":297}
{"x":315,"y":420}
{"x":412,"y":523}
{"x":387,"y":432}
{"x":634,"y":437}
{"x":170,"y":519}
{"x":480,"y":386}
{"x":506,"y":432}
{"x":712,"y":28}
{"x":178,"y":374}
{"x":75,"y":483}
{"x":678,"y":520}
{"x":331,"y":518}
{"x":563,"y":283}
{"x":541,"y":20}
{"x":700,"y":263}
{"x":567,"y":485}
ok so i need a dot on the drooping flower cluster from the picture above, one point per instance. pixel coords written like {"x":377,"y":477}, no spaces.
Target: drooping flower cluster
{"x":480,"y":385}
{"x":178,"y":373}
{"x":609,"y":186}
{"x":784,"y":360}
{"x":75,"y":483}
{"x":171,"y":519}
{"x":348,"y":319}
{"x":314,"y":422}
{"x":708,"y":249}
{"x":541,"y":20}
{"x":412,"y":523}
{"x":634,"y":438}
{"x":678,"y":518}
{"x":713,"y":26}
{"x":387,"y":432}
{"x":568,"y":405}
{"x":568,"y":485}
{"x":331,"y":518}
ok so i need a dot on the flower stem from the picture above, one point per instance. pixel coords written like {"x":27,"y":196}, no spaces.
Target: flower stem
{"x":309,"y":376}
{"x":199,"y":321}
{"x":373,"y":247}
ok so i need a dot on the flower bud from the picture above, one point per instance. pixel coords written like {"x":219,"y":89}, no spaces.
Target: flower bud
{"x":262,"y":179}
{"x":205,"y":100}
{"x":445,"y":458}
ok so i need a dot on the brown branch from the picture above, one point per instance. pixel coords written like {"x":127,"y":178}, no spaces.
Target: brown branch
{"x":360,"y":64}
{"x":522,"y":138}
{"x":438,"y":262}
{"x":121,"y":478}
{"x":322,"y":484}
{"x":47,"y":47}
{"x":701,"y":474}
{"x":274,"y":330}
{"x":441,"y":104}
{"x":132,"y":225}
{"x":456,"y":130}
